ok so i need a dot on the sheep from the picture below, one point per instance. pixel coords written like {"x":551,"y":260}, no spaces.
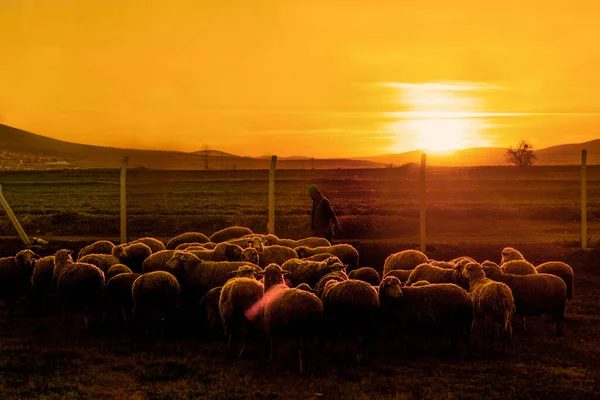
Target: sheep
{"x":345,"y":252}
{"x":229,"y":233}
{"x":132,"y":255}
{"x":99,"y":247}
{"x":420,"y":283}
{"x":489,"y":263}
{"x":415,"y":310}
{"x":302,"y":271}
{"x":311,"y":242}
{"x":510,"y":254}
{"x":351,"y":308}
{"x":493,"y":304}
{"x":157,"y":261}
{"x":154,"y":244}
{"x":401,"y":274}
{"x":197,"y":276}
{"x":116,"y":270}
{"x":404,"y":260}
{"x":41,"y":280}
{"x":188,"y":237}
{"x":250,"y":254}
{"x":434,"y":274}
{"x":15,"y":278}
{"x":184,"y":246}
{"x":209,"y":245}
{"x":560,"y":269}
{"x":119,"y":293}
{"x":155,"y":297}
{"x":535,"y":294}
{"x":442,"y":264}
{"x":221,"y":252}
{"x":321,"y":257}
{"x":289,"y":314}
{"x":338,"y":276}
{"x":80,"y":286}
{"x":62,"y":260}
{"x":306,"y":287}
{"x":238,"y":296}
{"x":366,"y":274}
{"x":102,"y":261}
{"x":518,"y":267}
{"x":272,"y":254}
{"x":210,"y":305}
{"x":460,"y":259}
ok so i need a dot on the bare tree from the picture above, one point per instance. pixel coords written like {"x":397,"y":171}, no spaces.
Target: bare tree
{"x":205,"y":148}
{"x":522,"y":156}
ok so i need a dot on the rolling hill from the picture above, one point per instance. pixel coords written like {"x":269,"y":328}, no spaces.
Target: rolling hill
{"x":87,"y":156}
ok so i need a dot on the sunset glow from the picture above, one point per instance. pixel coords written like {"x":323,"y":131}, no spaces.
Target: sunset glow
{"x":321,"y":79}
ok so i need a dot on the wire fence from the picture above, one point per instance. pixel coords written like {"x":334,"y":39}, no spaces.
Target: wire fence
{"x":463,"y":203}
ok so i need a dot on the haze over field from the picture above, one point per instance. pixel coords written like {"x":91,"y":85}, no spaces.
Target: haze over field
{"x":323,"y":79}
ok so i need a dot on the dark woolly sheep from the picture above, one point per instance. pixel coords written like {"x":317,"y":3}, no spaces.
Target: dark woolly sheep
{"x":429,"y":309}
{"x":157,"y":261}
{"x":221,"y":252}
{"x":188,"y":237}
{"x":41,"y":281}
{"x":420,"y":283}
{"x":310,"y":272}
{"x":338,"y":276}
{"x":238,"y":296}
{"x":15,"y":278}
{"x":462,"y":259}
{"x":404,"y":260}
{"x":311,"y":242}
{"x":321,"y":257}
{"x":119,"y":293}
{"x":518,"y":267}
{"x":401,"y":274}
{"x":197,"y":277}
{"x":535,"y":294}
{"x":345,"y":252}
{"x":273,"y":254}
{"x":232,"y":232}
{"x":289,"y":314}
{"x":80,"y":287}
{"x":558,"y":268}
{"x":132,"y":255}
{"x":99,"y":247}
{"x":185,"y":246}
{"x":442,"y":264}
{"x":102,"y":261}
{"x":366,"y":274}
{"x":493,"y":305}
{"x":154,"y":244}
{"x":155,"y":298}
{"x":433,"y":274}
{"x":306,"y":287}
{"x":116,"y":270}
{"x":351,"y":310}
{"x":510,"y":254}
{"x":210,"y":305}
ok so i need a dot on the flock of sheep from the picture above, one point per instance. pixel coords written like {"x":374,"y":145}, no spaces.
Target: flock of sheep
{"x":291,"y":290}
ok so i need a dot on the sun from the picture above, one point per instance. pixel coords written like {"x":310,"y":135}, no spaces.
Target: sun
{"x":440,"y":135}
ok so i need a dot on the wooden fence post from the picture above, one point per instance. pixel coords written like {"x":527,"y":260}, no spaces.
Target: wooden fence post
{"x":583,"y":200}
{"x":271,"y":225}
{"x":423,"y":197}
{"x":124,"y":200}
{"x":14,"y":219}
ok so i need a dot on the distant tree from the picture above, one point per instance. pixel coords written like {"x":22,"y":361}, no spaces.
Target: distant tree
{"x":522,"y":156}
{"x":205,"y":148}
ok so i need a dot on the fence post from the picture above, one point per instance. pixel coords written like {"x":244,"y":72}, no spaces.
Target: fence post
{"x":583,"y":200}
{"x":124,"y":200}
{"x":14,"y":219}
{"x":423,"y":196}
{"x":271,"y":226}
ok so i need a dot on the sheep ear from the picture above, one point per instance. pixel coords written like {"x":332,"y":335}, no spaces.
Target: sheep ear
{"x":260,"y":274}
{"x":284,"y":273}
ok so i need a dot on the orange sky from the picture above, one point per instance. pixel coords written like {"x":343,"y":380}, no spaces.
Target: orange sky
{"x":301,"y":77}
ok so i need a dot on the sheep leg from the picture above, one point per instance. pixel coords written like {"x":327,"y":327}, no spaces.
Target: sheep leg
{"x":271,"y":348}
{"x":300,"y":358}
{"x":124,"y":314}
{"x":244,"y":333}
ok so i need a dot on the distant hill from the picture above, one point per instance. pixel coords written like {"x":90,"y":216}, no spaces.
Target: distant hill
{"x":87,"y":156}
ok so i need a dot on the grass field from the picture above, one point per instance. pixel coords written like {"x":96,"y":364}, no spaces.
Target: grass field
{"x":473,"y":211}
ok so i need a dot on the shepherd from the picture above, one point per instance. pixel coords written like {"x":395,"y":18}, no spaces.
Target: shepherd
{"x":323,"y":216}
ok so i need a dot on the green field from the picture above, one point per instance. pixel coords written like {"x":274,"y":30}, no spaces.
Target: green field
{"x":471,"y":211}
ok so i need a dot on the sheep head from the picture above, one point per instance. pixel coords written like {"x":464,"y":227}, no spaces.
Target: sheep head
{"x":250,"y":254}
{"x":488,"y":263}
{"x":473,"y":271}
{"x":119,"y":252}
{"x":510,"y":254}
{"x":269,"y":240}
{"x":390,"y":288}
{"x":63,"y":255}
{"x":273,"y":275}
{"x":26,"y":260}
{"x":245,"y":271}
{"x":492,"y":271}
{"x":179,"y":261}
{"x":233,"y":252}
{"x":303,"y":251}
{"x":332,"y":264}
